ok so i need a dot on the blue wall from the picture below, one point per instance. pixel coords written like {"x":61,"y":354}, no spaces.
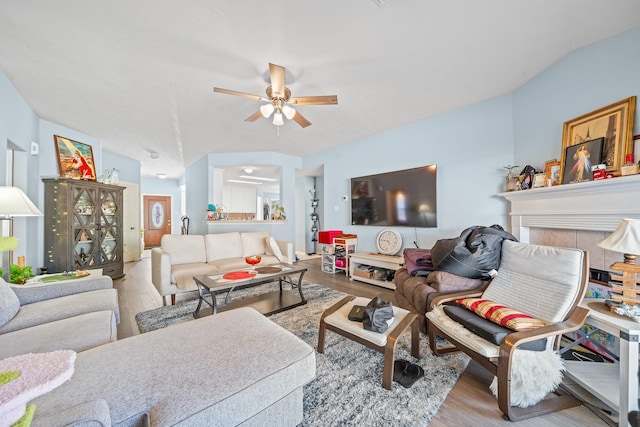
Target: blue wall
{"x":18,"y":127}
{"x":583,"y":81}
{"x":470,"y":146}
{"x":128,"y":168}
{"x":197,"y":179}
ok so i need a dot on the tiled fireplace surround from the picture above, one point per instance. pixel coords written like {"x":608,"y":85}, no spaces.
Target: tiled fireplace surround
{"x":575,"y":215}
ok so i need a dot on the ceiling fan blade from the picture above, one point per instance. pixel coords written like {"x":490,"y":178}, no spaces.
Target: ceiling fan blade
{"x":315,"y":100}
{"x":277,"y":80}
{"x":236,"y":93}
{"x":255,"y":116}
{"x":301,"y":120}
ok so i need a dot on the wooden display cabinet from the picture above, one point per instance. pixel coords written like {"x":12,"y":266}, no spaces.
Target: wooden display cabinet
{"x":83,"y":226}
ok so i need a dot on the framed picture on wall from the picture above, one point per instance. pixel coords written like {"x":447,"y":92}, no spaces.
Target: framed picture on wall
{"x":75,"y":159}
{"x":614,"y":123}
{"x":578,"y":161}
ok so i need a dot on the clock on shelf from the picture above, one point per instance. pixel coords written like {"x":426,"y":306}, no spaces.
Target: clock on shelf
{"x":389,"y":242}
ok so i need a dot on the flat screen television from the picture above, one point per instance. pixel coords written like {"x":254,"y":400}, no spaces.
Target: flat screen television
{"x":404,"y":198}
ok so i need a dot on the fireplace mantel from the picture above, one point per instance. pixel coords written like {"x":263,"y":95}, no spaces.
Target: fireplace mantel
{"x":593,"y":205}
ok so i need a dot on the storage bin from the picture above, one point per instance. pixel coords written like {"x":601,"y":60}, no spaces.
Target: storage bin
{"x":327,"y":236}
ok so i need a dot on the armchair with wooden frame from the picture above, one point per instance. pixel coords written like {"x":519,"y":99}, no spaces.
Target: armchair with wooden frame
{"x":543,"y":282}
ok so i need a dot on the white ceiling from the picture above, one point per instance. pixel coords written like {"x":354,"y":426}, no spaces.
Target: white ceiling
{"x":139,"y":74}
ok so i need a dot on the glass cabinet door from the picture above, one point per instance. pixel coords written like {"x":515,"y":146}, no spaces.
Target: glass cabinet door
{"x":84,"y":227}
{"x":109,"y":226}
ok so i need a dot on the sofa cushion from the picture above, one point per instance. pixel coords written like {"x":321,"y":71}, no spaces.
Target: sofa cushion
{"x":62,"y":308}
{"x":254,"y":243}
{"x":184,"y":248}
{"x":9,"y":303}
{"x":272,"y":248}
{"x":76,"y":333}
{"x":223,"y":246}
{"x":501,"y":315}
{"x":182,"y":275}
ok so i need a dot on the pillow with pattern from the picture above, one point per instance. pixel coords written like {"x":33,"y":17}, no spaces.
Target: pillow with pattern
{"x":501,"y":314}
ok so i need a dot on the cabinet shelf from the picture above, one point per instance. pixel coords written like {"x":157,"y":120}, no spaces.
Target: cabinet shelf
{"x":385,"y":264}
{"x":335,"y":256}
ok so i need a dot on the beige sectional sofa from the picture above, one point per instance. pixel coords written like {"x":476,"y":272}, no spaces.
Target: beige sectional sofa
{"x":193,"y":374}
{"x":73,"y":314}
{"x":244,"y":369}
{"x":182,"y":256}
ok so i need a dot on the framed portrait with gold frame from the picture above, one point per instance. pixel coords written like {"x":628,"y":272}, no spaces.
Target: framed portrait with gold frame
{"x":614,"y":123}
{"x":75,"y":159}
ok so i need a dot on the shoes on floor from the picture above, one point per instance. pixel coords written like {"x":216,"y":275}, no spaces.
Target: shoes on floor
{"x":406,"y":373}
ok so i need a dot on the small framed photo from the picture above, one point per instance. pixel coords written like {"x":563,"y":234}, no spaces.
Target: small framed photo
{"x":578,"y":161}
{"x":539,"y":180}
{"x":552,"y":171}
{"x":75,"y":159}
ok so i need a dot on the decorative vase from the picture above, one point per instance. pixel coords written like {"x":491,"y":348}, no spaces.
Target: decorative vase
{"x":512,"y":183}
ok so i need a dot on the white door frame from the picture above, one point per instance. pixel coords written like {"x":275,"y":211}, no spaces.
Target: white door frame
{"x":131,"y":222}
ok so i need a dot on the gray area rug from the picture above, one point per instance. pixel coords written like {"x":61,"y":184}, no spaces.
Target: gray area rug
{"x":347,"y":390}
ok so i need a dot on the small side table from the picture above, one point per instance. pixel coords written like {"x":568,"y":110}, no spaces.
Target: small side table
{"x":616,"y":384}
{"x":335,"y":319}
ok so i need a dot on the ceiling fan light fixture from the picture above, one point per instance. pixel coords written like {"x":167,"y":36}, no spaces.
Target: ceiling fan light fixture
{"x":277,"y":119}
{"x":288,"y":112}
{"x":266,"y":110}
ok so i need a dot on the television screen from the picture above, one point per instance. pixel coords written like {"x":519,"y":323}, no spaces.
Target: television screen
{"x":399,"y":198}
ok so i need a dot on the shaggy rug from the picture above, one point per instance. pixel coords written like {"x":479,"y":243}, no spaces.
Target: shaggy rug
{"x":347,"y":389}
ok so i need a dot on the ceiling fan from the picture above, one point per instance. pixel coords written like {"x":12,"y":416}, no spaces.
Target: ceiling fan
{"x":279,"y":99}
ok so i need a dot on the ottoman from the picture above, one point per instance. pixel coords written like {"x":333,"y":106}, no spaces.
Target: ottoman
{"x":335,"y":319}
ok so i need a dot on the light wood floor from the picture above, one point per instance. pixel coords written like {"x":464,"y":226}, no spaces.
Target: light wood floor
{"x":470,"y":403}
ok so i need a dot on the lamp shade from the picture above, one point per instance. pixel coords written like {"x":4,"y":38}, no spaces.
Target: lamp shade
{"x":277,"y":119}
{"x":266,"y":110}
{"x":288,"y":112}
{"x":625,"y":238}
{"x":13,"y":202}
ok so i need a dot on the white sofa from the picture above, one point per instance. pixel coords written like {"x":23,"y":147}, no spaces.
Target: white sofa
{"x":182,"y":256}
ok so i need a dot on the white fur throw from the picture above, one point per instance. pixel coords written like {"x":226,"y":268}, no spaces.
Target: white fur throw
{"x":40,"y":373}
{"x":534,"y":374}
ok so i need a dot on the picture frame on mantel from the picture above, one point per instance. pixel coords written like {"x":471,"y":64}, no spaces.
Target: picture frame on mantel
{"x":579,"y":159}
{"x":75,"y":159}
{"x":552,"y":171}
{"x":614,"y":123}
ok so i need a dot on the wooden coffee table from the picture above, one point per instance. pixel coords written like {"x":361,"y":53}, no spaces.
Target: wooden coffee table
{"x":267,"y":303}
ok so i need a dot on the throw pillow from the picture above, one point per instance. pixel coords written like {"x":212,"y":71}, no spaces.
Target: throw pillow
{"x":501,"y":315}
{"x":272,"y":246}
{"x":9,"y":303}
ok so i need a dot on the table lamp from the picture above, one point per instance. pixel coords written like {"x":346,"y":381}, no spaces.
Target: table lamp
{"x":625,"y":239}
{"x":13,"y":202}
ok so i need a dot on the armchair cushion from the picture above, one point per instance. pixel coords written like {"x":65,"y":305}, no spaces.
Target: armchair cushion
{"x":501,"y":314}
{"x":487,"y":329}
{"x":9,"y":303}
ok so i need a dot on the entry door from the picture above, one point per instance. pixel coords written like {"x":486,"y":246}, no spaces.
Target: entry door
{"x":157,"y":219}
